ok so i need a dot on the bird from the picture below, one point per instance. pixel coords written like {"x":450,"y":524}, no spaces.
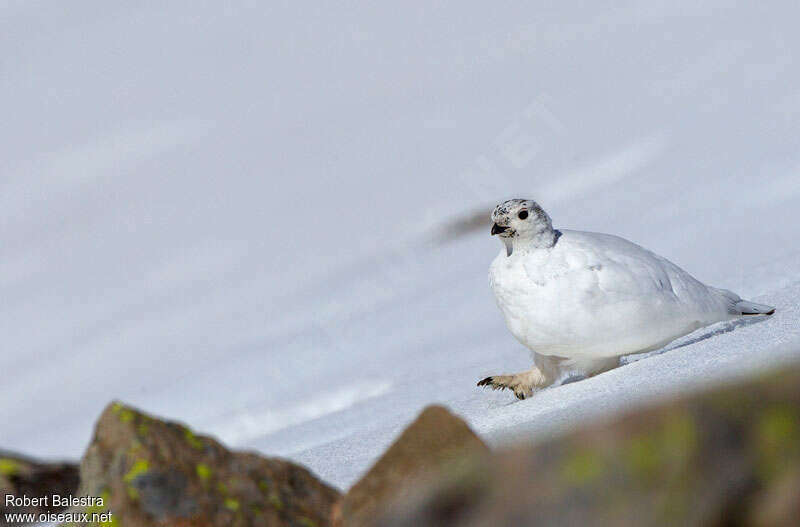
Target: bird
{"x":581,"y":300}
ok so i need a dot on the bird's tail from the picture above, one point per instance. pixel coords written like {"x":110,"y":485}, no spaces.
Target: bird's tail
{"x":737,"y":306}
{"x":751,"y":308}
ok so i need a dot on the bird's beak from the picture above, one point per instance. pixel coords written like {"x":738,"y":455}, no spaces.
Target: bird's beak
{"x":497,"y":229}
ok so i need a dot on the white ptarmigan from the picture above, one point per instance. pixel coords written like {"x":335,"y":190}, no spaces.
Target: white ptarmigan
{"x":581,"y":300}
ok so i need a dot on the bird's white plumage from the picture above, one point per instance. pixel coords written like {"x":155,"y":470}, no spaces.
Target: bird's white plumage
{"x":579,"y":300}
{"x":600,"y":296}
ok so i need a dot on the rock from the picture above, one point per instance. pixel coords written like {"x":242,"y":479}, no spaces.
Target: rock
{"x":23,"y":477}
{"x":724,"y":457}
{"x":437,"y":441}
{"x":158,"y":473}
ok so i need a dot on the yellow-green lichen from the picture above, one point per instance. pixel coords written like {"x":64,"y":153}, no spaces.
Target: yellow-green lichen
{"x":135,"y":450}
{"x":112,"y":522}
{"x":9,"y":467}
{"x":642,"y":457}
{"x":275,"y":501}
{"x":140,"y":467}
{"x":203,"y":472}
{"x":582,"y":467}
{"x":232,"y":504}
{"x":273,"y":498}
{"x":680,"y":433}
{"x":126,"y":415}
{"x":99,"y":508}
{"x":102,"y":509}
{"x":306,"y":522}
{"x":192,"y":439}
{"x":778,"y":439}
{"x":222,"y":488}
{"x":664,"y":451}
{"x":778,"y":427}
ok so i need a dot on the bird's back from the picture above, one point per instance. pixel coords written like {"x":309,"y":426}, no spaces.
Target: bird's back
{"x":599,"y":295}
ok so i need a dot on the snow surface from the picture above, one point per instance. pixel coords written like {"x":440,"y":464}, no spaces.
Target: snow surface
{"x":243,"y":216}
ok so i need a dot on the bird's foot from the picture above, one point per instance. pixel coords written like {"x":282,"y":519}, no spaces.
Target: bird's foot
{"x":522,"y":384}
{"x":517,"y":383}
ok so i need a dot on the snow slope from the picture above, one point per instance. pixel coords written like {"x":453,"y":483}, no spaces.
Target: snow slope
{"x":238,"y":216}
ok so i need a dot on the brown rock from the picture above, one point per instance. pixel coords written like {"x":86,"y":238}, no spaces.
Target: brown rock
{"x":437,"y":441}
{"x":21,"y":476}
{"x":157,"y":473}
{"x":730,"y":456}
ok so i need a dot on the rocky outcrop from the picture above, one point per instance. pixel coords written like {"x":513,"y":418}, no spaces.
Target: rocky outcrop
{"x":151,"y":472}
{"x":437,"y":442}
{"x":22,"y":477}
{"x":730,"y":456}
{"x":726,"y":457}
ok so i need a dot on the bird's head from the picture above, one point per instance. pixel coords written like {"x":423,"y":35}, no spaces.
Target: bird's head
{"x":521,"y":220}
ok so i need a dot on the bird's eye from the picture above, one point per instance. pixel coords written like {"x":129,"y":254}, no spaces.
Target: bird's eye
{"x":522,"y":214}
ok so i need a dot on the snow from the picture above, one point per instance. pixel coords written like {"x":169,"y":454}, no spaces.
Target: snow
{"x":235,"y":215}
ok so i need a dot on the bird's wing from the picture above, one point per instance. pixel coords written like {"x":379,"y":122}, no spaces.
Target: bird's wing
{"x":621,"y":270}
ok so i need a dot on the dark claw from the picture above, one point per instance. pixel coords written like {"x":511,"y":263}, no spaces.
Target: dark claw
{"x":485,"y":382}
{"x":520,"y":396}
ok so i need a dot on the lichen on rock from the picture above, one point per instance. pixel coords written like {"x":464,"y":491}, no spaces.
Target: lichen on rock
{"x":728,"y":456}
{"x":23,"y":476}
{"x":159,"y":473}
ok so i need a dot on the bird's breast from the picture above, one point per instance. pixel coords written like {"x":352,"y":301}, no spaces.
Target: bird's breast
{"x":523,"y":299}
{"x":549,"y":306}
